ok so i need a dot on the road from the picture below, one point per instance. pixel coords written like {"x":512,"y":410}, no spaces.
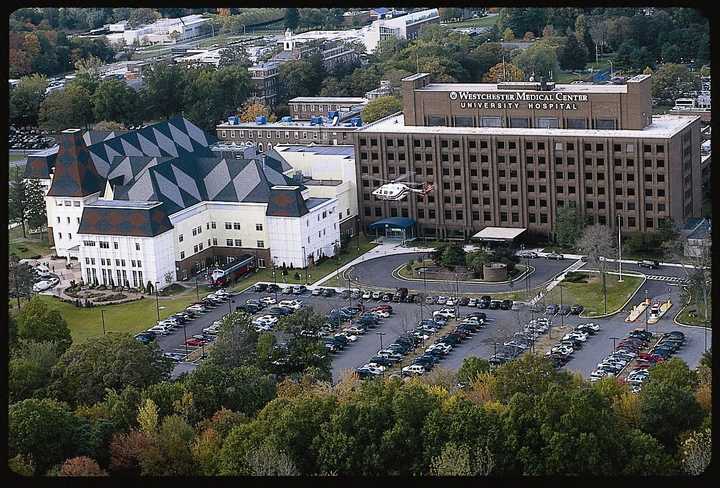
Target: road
{"x":378,"y":272}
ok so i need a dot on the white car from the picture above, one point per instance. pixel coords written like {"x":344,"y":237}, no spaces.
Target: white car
{"x":374,"y":366}
{"x":294,"y":304}
{"x":210,"y":330}
{"x":268,"y":301}
{"x":159,"y":329}
{"x":445,"y":348}
{"x":350,"y":337}
{"x":265,"y":319}
{"x":263,"y":327}
{"x":562,"y":350}
{"x":472,"y":302}
{"x":41,"y":286}
{"x":526,"y":254}
{"x":450,"y":302}
{"x":383,"y":314}
{"x":376,"y":295}
{"x":354,"y":330}
{"x":316,"y":292}
{"x":450,"y":314}
{"x":441,"y":300}
{"x":415,"y":369}
{"x":366,"y":295}
{"x":287,"y":290}
{"x":590,"y":325}
{"x":196,"y":308}
{"x":581,"y":336}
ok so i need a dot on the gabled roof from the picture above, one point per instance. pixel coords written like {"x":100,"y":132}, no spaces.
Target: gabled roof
{"x":109,"y":217}
{"x":286,"y":201}
{"x":174,"y":138}
{"x":75,"y":175}
{"x":40,"y":164}
{"x":182,"y":182}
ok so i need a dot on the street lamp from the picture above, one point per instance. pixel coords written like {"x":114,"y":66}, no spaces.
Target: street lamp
{"x":613,"y":339}
{"x":197,"y":290}
{"x":647,"y":307}
{"x":230,"y":304}
{"x":102,"y":314}
{"x":619,"y":251}
{"x":157,"y":299}
{"x":562,"y":316}
{"x":380,"y":335}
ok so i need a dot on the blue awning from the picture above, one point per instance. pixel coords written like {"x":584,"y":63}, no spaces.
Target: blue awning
{"x":393,"y":222}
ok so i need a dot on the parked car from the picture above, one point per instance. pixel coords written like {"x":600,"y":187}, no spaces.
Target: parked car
{"x":472,"y":302}
{"x":551,"y":309}
{"x":495,"y":304}
{"x":527,"y":254}
{"x":506,"y":304}
{"x":576,"y":309}
{"x":329,"y":292}
{"x":260,"y":287}
{"x":554,"y":255}
{"x":564,"y":310}
{"x":367,"y":295}
{"x":316,"y":292}
{"x":300,"y":289}
{"x":429,"y":300}
{"x":376,"y":295}
{"x":442,"y":300}
{"x":355,"y":293}
{"x":413,"y":369}
{"x":345,"y":294}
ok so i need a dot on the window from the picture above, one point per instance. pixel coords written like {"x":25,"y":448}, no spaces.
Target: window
{"x":104,"y":245}
{"x":549,"y":123}
{"x":660,"y":178}
{"x":458,"y":215}
{"x":605,"y":124}
{"x":648,"y":222}
{"x":601,"y":205}
{"x":260,"y":243}
{"x":58,"y":219}
{"x":630,"y":163}
{"x":195,"y":249}
{"x":259,"y":227}
{"x":570,"y":146}
{"x":68,"y":203}
{"x":501,"y":145}
{"x":541,"y":146}
{"x":519,"y":122}
{"x":660,"y":163}
{"x":616,"y":147}
{"x":576,"y":124}
{"x":238,"y":242}
{"x":436,"y":120}
{"x":629,"y":148}
{"x":228,"y":225}
{"x":236,"y":225}
{"x":661,"y":193}
{"x":599,"y":147}
{"x":180,"y":238}
{"x":589,"y":204}
{"x":543,"y":218}
{"x":489,"y":122}
{"x":660,"y":148}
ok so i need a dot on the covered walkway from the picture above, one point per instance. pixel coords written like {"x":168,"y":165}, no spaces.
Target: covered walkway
{"x":400,"y":228}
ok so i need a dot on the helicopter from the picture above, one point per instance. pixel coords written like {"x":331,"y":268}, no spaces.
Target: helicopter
{"x":395,"y":190}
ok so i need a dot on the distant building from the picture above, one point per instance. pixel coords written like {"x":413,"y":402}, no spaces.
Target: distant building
{"x":356,"y":18}
{"x":403,"y":27}
{"x":385,"y":90}
{"x":266,"y":80}
{"x":303,"y":108}
{"x":200,"y":57}
{"x":163,"y":31}
{"x":699,"y":238}
{"x":328,"y":44}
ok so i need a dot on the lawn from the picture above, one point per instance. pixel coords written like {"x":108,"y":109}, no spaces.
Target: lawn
{"x":26,"y":247}
{"x":590,"y":294}
{"x":568,"y":76}
{"x":694,"y":315}
{"x":16,"y":157}
{"x":488,"y":21}
{"x":130,"y":317}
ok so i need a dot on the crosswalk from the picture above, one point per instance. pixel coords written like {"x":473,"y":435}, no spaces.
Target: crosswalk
{"x":670,"y":279}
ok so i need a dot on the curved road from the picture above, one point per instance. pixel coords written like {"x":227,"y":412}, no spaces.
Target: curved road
{"x":378,"y":272}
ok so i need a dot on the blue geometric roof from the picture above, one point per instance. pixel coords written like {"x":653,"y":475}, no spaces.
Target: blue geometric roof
{"x":75,"y":175}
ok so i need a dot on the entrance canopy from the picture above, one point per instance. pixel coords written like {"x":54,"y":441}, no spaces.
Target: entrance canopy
{"x":499,"y":234}
{"x":400,"y":223}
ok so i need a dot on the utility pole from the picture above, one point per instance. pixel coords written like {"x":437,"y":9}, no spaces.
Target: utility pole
{"x":197,"y":290}
{"x":614,"y":339}
{"x":619,"y":252}
{"x":380,"y":335}
{"x":646,"y":309}
{"x":562,"y":315}
{"x":157,"y":300}
{"x":102,"y":314}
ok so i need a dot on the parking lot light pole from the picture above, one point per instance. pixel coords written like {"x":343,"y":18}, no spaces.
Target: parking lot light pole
{"x":197,"y":290}
{"x":562,"y":319}
{"x":380,"y":335}
{"x":619,"y":252}
{"x":230,"y":304}
{"x":102,"y":314}
{"x":157,"y":299}
{"x":614,"y":339}
{"x":646,"y":309}
{"x":185,"y":335}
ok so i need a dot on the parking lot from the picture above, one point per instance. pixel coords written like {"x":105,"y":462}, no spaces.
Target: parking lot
{"x":500,"y":326}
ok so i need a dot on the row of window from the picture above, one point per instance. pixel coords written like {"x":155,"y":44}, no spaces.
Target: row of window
{"x":118,"y":262}
{"x":107,"y":277}
{"x":104,"y":244}
{"x":240,"y":134}
{"x":67,"y":203}
{"x":530,"y":145}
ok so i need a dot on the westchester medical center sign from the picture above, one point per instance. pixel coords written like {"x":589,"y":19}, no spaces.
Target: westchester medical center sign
{"x":514,"y":100}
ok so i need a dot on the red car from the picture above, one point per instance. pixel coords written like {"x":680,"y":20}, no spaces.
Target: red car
{"x":195,"y":342}
{"x":654,"y":358}
{"x":386,"y":308}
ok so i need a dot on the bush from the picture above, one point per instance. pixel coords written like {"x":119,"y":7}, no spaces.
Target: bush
{"x":113,"y":296}
{"x":576,"y":277}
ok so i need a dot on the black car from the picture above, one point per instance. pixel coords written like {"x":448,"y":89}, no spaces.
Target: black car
{"x":386,"y":297}
{"x":505,"y":304}
{"x":463,"y":301}
{"x":251,"y":309}
{"x":260,"y":287}
{"x":272,"y":288}
{"x":479,"y":315}
{"x":650,"y":264}
{"x":345,"y":295}
{"x":586,"y":329}
{"x":146,"y":337}
{"x":180,"y":319}
{"x":494,"y":304}
{"x":410,"y":298}
{"x":381,"y":361}
{"x":280,"y":311}
{"x":576,"y":309}
{"x":564,"y":310}
{"x":328,"y":292}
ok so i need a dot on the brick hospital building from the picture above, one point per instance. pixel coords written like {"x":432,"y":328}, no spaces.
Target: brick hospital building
{"x":511,"y":154}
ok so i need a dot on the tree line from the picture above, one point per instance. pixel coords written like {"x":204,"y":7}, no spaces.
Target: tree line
{"x":108,"y":407}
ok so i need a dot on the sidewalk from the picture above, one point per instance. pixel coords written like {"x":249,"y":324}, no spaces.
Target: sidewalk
{"x":573,"y":267}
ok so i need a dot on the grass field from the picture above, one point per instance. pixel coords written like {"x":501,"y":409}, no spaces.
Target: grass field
{"x":590,"y":294}
{"x":488,"y":21}
{"x":26,"y":247}
{"x":16,"y":157}
{"x":694,"y":315}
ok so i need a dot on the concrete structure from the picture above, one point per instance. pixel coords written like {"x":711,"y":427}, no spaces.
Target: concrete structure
{"x":163,"y":31}
{"x":494,"y":272}
{"x":511,"y":154}
{"x":403,"y":27}
{"x":303,"y":108}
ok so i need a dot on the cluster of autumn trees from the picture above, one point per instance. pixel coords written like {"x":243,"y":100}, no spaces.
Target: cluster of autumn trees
{"x":107,"y":406}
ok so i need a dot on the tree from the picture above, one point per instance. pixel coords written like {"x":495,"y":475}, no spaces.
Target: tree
{"x":381,"y":107}
{"x":301,"y":78}
{"x":503,"y":72}
{"x":89,"y":70}
{"x":476,"y":260}
{"x":21,"y":280}
{"x":597,"y":243}
{"x":696,"y":452}
{"x":236,"y":341}
{"x":18,"y":201}
{"x":45,"y":430}
{"x":292,"y":18}
{"x":253,"y":109}
{"x":453,"y":255}
{"x":36,"y":322}
{"x":68,"y":108}
{"x":267,"y":461}
{"x":471,"y":368}
{"x":109,"y":126}
{"x":86,"y":370}
{"x":569,"y":225}
{"x":162,"y":85}
{"x":455,"y":460}
{"x":25,"y":99}
{"x":530,"y":374}
{"x":169,"y":453}
{"x":672,"y":81}
{"x":573,"y":55}
{"x":81,"y":466}
{"x":667,"y":410}
{"x":29,"y":369}
{"x":142,"y":16}
{"x":212,"y":95}
{"x":115,"y":100}
{"x":582,"y":34}
{"x":485,"y":56}
{"x":540,"y":59}
{"x":36,"y":210}
{"x":234,"y":56}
